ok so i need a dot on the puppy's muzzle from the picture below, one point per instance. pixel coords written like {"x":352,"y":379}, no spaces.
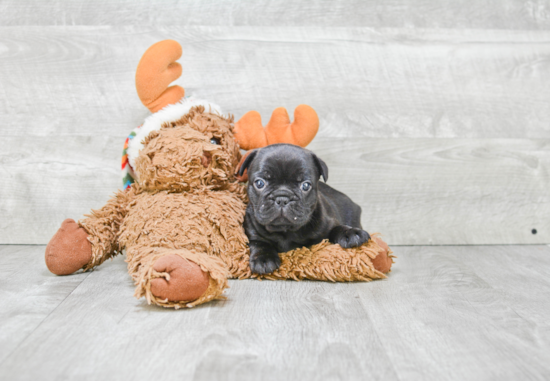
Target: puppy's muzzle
{"x":281,"y":198}
{"x":282,"y":201}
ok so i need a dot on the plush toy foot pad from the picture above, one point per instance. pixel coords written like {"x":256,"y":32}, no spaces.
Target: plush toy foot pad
{"x":185,"y":281}
{"x":383,"y":261}
{"x":69,"y":249}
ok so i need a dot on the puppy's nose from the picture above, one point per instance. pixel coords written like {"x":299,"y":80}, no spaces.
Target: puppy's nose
{"x":282,"y":200}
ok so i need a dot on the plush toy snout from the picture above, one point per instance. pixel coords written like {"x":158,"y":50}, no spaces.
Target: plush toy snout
{"x":206,"y":159}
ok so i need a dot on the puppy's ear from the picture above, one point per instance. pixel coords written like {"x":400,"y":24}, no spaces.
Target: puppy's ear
{"x":245,"y":162}
{"x":321,"y":167}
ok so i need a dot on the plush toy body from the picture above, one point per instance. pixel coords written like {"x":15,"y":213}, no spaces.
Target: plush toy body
{"x":181,"y":222}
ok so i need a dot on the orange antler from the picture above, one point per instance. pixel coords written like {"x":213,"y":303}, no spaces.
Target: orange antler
{"x":156,"y":70}
{"x":250,"y":134}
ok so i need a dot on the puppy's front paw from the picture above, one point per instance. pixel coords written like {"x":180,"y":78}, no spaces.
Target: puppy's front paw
{"x":264,"y":261}
{"x":347,"y":237}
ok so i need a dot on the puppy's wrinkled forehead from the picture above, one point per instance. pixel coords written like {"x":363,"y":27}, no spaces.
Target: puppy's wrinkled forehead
{"x":282,"y":162}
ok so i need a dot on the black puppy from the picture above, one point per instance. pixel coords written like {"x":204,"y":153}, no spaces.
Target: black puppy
{"x":289,"y":207}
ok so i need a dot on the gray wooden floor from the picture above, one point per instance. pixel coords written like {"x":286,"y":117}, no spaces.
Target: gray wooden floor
{"x":446,"y":312}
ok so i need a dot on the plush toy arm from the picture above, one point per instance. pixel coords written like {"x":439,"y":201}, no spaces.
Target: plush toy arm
{"x":91,"y":241}
{"x":103,"y":226}
{"x":330,"y":262}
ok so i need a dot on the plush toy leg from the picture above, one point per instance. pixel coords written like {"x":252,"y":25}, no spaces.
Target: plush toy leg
{"x":330,"y":262}
{"x":176,"y":277}
{"x":69,"y":249}
{"x":383,"y":261}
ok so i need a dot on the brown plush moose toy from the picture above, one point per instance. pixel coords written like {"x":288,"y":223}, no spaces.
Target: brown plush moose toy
{"x":181,"y":221}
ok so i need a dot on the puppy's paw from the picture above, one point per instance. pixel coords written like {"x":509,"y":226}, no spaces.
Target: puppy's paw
{"x":264,"y":262}
{"x":347,"y":237}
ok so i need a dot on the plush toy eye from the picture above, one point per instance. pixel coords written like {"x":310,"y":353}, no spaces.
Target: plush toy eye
{"x":215,"y":141}
{"x":306,"y":186}
{"x":259,"y":183}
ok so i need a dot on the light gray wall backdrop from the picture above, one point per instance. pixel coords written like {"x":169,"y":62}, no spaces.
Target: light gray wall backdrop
{"x":435,"y":115}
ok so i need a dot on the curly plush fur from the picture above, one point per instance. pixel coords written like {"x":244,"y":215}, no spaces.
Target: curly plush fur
{"x":188,"y":205}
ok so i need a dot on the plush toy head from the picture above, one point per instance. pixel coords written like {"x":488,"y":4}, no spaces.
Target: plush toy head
{"x":197,"y":150}
{"x":188,"y":142}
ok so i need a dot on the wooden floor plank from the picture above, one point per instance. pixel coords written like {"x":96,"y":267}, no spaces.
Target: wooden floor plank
{"x":447,"y":308}
{"x":28,"y":294}
{"x":52,"y":178}
{"x":449,"y":313}
{"x":445,"y":191}
{"x":444,"y":14}
{"x":362,"y":81}
{"x":413,"y":191}
{"x":522,"y":267}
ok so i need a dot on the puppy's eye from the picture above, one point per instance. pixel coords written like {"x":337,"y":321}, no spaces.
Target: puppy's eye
{"x":259,"y":184}
{"x":306,"y":186}
{"x":215,"y":141}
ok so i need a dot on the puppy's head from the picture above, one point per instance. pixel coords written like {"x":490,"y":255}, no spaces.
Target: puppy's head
{"x":282,"y":185}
